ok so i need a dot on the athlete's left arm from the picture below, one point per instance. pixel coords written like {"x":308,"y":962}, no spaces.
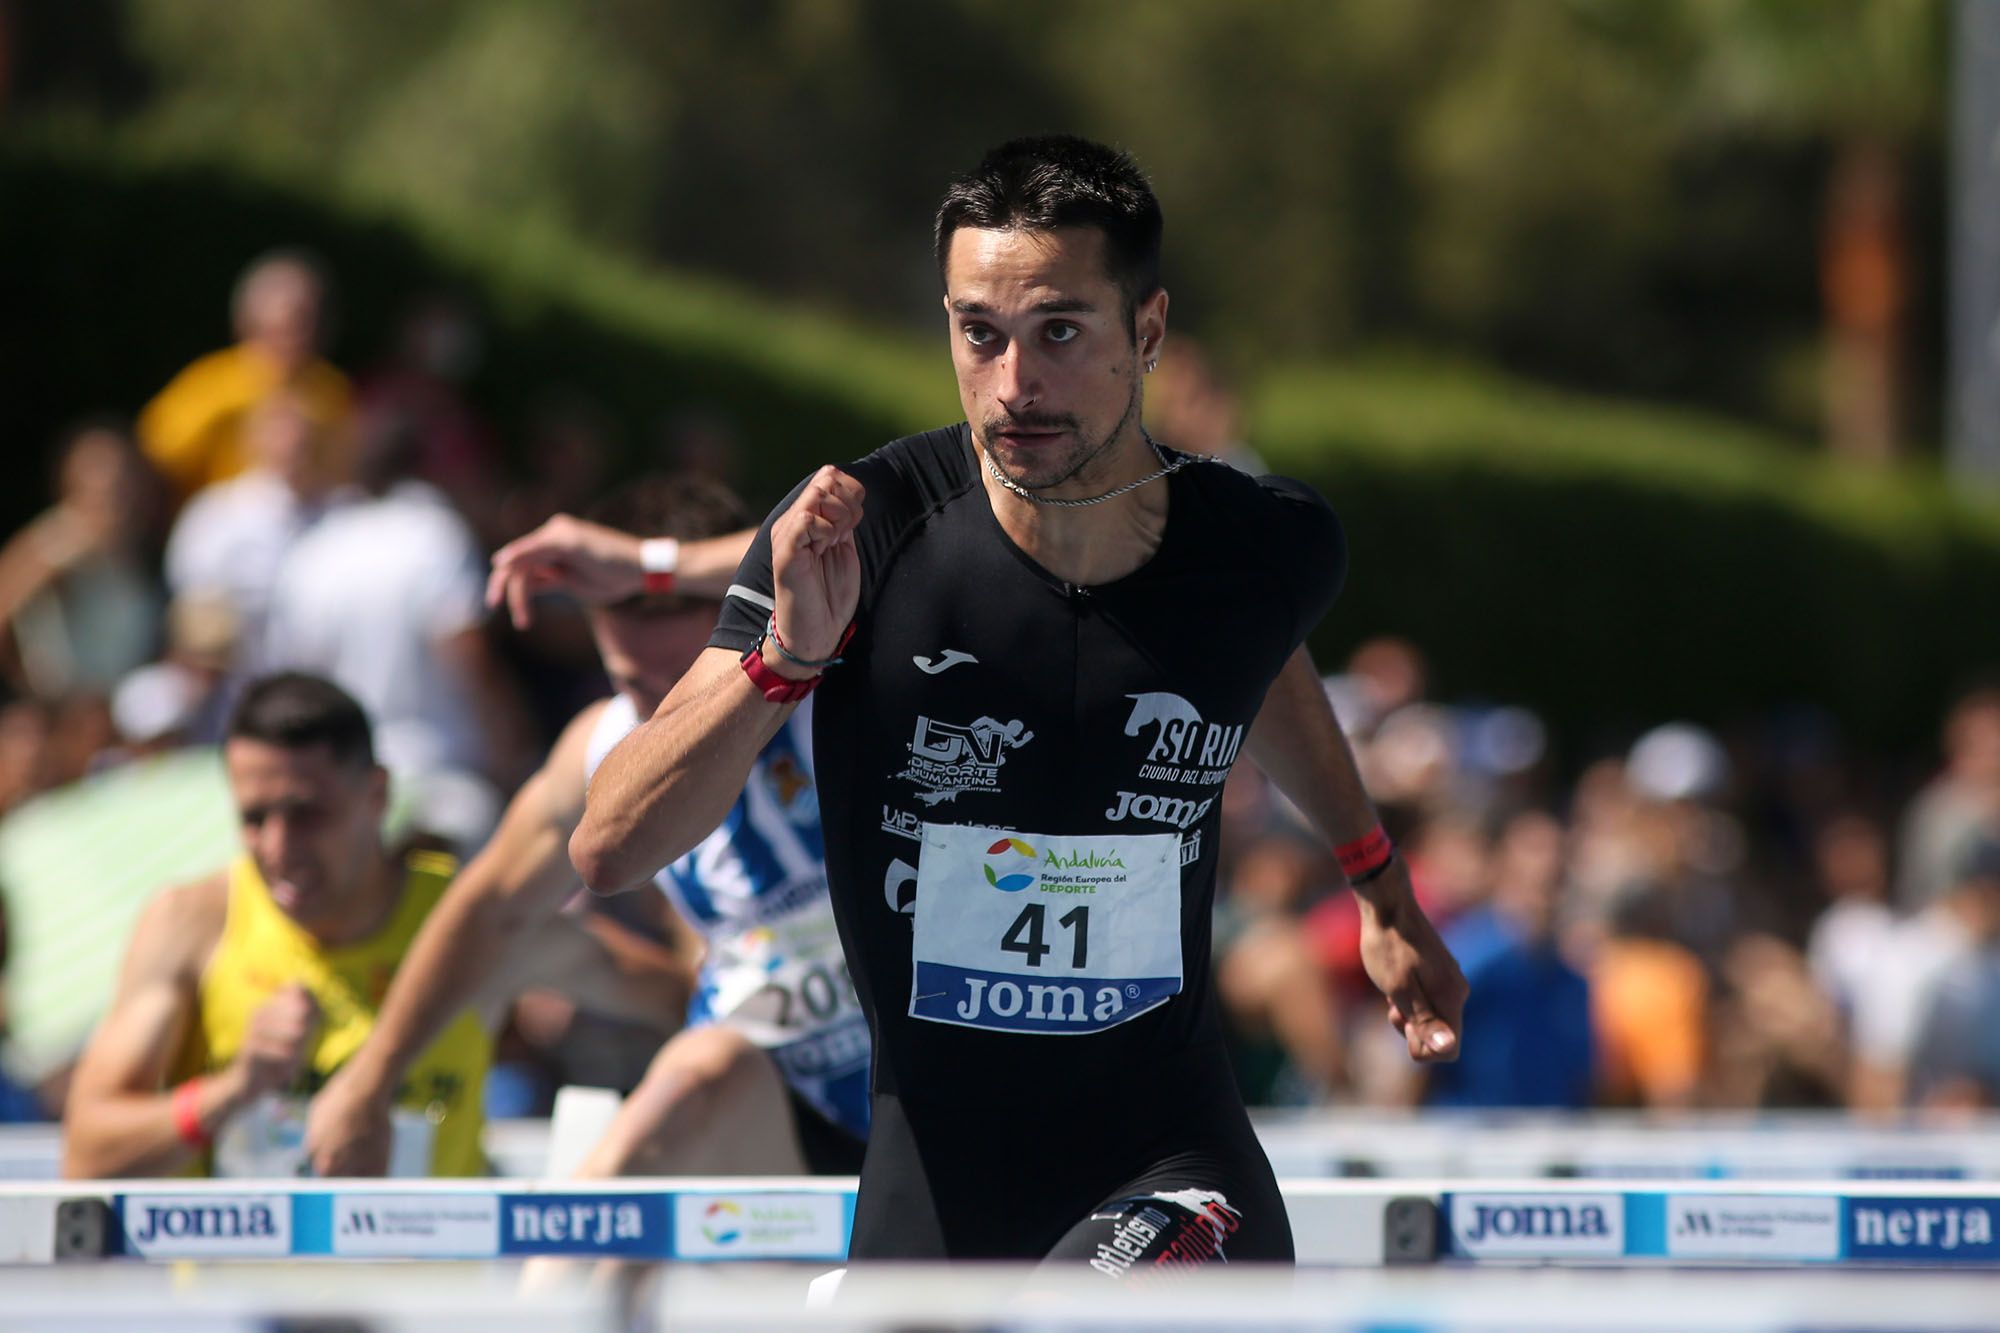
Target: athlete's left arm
{"x":1297,"y":741}
{"x":607,"y":969}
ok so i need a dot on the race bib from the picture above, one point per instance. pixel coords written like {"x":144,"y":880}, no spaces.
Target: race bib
{"x":782,"y":980}
{"x":266,"y":1140}
{"x":1029,"y":932}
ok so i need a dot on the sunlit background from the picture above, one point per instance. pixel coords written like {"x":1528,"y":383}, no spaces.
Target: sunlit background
{"x":1617,"y":332}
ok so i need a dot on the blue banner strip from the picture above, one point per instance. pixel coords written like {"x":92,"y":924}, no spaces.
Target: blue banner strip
{"x":1646,"y":1226}
{"x":312,"y":1224}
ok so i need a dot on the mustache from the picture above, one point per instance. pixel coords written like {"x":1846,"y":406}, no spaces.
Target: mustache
{"x":1028,"y":421}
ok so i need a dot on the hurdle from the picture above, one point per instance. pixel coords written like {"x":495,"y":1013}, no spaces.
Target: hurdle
{"x":1337,"y":1223}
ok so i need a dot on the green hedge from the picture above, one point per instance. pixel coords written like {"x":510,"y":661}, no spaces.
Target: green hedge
{"x":1608,"y":564}
{"x":1615,"y":566}
{"x":117,"y":274}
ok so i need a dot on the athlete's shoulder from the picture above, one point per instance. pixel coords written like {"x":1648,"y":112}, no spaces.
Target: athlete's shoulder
{"x":1304,"y":510}
{"x":178,"y":928}
{"x":914,"y":475}
{"x":1286,"y":527}
{"x":1296,"y":508}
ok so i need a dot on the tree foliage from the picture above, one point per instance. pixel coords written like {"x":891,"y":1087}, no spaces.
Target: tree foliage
{"x":1617,"y":194}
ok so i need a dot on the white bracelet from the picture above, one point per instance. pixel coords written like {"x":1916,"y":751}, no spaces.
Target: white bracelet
{"x":659,"y":558}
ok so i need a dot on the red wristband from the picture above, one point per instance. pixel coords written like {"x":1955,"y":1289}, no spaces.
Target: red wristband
{"x":1366,"y":854}
{"x":778,"y":689}
{"x":187,"y":1113}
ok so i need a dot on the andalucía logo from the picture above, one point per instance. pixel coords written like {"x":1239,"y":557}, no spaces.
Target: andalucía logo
{"x":1016,"y":870}
{"x":720,"y":1222}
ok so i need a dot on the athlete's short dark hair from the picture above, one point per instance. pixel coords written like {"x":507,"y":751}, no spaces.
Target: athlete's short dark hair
{"x":295,"y":711}
{"x":686,"y":508}
{"x":1060,"y":180}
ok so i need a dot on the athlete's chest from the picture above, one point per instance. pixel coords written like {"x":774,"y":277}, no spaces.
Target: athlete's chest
{"x":993,"y":693}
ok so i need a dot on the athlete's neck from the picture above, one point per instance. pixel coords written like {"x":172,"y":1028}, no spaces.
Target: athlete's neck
{"x":367,"y":911}
{"x":1096,"y":543}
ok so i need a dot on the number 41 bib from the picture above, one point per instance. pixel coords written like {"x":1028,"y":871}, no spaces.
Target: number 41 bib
{"x":1029,"y":932}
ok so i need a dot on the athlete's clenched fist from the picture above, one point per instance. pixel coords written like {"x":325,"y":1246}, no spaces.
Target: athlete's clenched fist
{"x":815,"y":568}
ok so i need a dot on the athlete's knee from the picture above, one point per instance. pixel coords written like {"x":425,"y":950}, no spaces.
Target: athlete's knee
{"x":703,"y":1072}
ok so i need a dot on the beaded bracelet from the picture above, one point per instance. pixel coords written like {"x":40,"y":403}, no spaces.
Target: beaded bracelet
{"x":771,"y":633}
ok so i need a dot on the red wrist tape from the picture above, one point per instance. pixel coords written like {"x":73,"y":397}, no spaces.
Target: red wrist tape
{"x":1369,"y":852}
{"x":187,"y":1114}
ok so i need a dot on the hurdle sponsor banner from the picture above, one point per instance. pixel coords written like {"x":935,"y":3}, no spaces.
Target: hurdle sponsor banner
{"x":761,"y":1226}
{"x":608,"y":1224}
{"x":429,"y":1226}
{"x":1953,"y":1229}
{"x":1800,"y":1228}
{"x":206,"y":1226}
{"x":1481,"y":1225}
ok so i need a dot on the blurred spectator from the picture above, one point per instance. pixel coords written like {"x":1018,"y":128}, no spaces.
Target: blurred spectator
{"x":82,"y":733}
{"x":184,"y":698}
{"x":194,"y":431}
{"x":1383,"y":675}
{"x":1649,"y":1005}
{"x":1189,"y":406}
{"x":438,"y":347}
{"x":154,"y":709}
{"x":18,"y":1102}
{"x":1775,"y":1035}
{"x":1283,"y":1017}
{"x":1527,"y":1020}
{"x":1851,"y":856}
{"x":1957,"y":807}
{"x":231,"y":539}
{"x":77,"y":591}
{"x":1690,"y":851}
{"x":1890,"y":1011}
{"x":703,"y":442}
{"x":1956,"y":1063}
{"x":571,"y":444}
{"x":27,"y":761}
{"x":386,"y":597}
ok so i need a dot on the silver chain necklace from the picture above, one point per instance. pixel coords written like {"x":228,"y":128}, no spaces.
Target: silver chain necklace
{"x":1167,"y":470}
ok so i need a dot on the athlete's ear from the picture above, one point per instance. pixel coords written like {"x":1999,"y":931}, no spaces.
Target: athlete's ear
{"x":1149,"y":327}
{"x":378,"y":791}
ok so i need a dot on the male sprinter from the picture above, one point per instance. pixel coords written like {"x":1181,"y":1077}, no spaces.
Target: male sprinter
{"x":242,"y":991}
{"x":770,"y":1075}
{"x":1041,"y":641}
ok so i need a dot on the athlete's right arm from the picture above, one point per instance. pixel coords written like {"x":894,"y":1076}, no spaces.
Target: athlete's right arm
{"x":120,"y":1119}
{"x":673,"y":779}
{"x":501,"y":899}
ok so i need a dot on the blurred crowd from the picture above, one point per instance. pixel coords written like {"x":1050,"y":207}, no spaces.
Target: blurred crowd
{"x":267,"y":511}
{"x":1751,"y":920}
{"x":1685,"y":920}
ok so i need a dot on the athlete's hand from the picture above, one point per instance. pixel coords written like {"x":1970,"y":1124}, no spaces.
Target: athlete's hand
{"x":348,"y":1130}
{"x":276,"y":1041}
{"x":1409,"y":964}
{"x":588,"y":561}
{"x":815,"y":567}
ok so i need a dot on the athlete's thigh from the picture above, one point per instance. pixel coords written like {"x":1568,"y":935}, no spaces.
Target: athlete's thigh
{"x":1167,"y":1225}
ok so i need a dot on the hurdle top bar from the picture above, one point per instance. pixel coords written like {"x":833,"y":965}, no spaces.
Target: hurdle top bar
{"x":1348,"y":1223}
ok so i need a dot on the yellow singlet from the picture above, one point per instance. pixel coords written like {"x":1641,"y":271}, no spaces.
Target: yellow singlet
{"x":262,"y":950}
